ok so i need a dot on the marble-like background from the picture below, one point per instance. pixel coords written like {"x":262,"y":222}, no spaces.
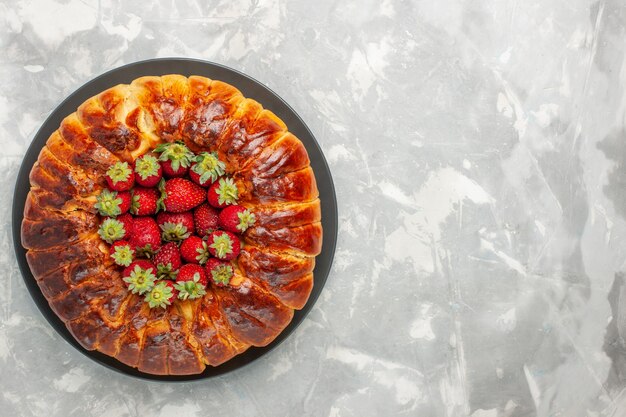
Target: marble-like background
{"x":479,"y":154}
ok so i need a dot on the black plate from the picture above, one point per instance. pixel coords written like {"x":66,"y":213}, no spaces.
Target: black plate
{"x":249,"y":88}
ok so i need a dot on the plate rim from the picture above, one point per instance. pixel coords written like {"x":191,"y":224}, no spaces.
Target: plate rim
{"x":329,"y":219}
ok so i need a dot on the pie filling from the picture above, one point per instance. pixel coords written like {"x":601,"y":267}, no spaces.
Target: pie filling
{"x":172,"y":223}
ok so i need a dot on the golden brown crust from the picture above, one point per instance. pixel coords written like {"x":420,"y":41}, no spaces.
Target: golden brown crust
{"x":250,"y":131}
{"x":296,"y":186}
{"x":155,"y":347}
{"x":274,"y":216}
{"x":286,"y":276}
{"x":306,"y":239}
{"x":89,"y":329}
{"x":42,"y":229}
{"x":104,"y":121}
{"x":210,"y":106}
{"x":128,"y":343}
{"x":86,"y":255}
{"x":64,"y":203}
{"x":72,"y":145}
{"x":286,"y":154}
{"x":71,"y":263}
{"x":212,"y":334}
{"x":185,"y":356}
{"x":55,"y":176}
{"x":254,"y":315}
{"x":79,"y":299}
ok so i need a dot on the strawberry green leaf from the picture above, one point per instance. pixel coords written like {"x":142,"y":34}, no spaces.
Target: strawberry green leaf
{"x":222,"y":274}
{"x":208,"y":166}
{"x":227,"y":191}
{"x":203,"y":253}
{"x":134,"y":204}
{"x":222,"y":245}
{"x":119,"y":172}
{"x":159,"y":296}
{"x":140,"y":280}
{"x":145,"y":251}
{"x":246,"y":219}
{"x":173,"y":232}
{"x":190,"y":289}
{"x":147,"y":166}
{"x":166,"y":271}
{"x":177,"y":153}
{"x":111,"y":230}
{"x":161,"y":200}
{"x":108,"y":203}
{"x":123,"y":255}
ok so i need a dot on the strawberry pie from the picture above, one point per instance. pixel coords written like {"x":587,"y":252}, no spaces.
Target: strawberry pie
{"x":173,"y":223}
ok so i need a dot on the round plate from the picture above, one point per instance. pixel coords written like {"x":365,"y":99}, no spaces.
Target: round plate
{"x":249,"y":88}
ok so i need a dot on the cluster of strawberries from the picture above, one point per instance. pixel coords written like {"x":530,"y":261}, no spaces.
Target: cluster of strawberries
{"x":172,"y":221}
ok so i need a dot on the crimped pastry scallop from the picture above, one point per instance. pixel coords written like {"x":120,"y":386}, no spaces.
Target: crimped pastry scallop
{"x":72,"y":266}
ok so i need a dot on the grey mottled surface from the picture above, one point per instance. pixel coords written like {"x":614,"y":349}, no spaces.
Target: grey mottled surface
{"x":479,"y":153}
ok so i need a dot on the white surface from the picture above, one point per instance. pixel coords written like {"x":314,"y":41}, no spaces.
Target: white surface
{"x":478,"y":151}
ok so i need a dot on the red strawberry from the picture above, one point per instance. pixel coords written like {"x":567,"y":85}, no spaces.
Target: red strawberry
{"x":126,"y":201}
{"x":111,"y":230}
{"x":191,"y":282}
{"x":236,"y":219}
{"x":196,"y":177}
{"x":142,"y":263}
{"x":194,"y":250}
{"x":122,"y":253}
{"x":222,"y":193}
{"x":120,"y":177}
{"x":220,"y":272}
{"x":127,"y":221}
{"x":223,"y":245}
{"x":167,"y":261}
{"x":162,"y":294}
{"x":206,"y":219}
{"x":148,"y":171}
{"x":182,"y":195}
{"x":140,"y":276}
{"x":112,"y":203}
{"x":206,"y":169}
{"x":188,"y":271}
{"x":175,"y":159}
{"x":170,"y":172}
{"x":184,"y":219}
{"x":145,"y":201}
{"x":175,"y":226}
{"x":146,"y":236}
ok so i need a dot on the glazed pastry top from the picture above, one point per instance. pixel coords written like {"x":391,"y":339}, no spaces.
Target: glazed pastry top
{"x":273,"y":274}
